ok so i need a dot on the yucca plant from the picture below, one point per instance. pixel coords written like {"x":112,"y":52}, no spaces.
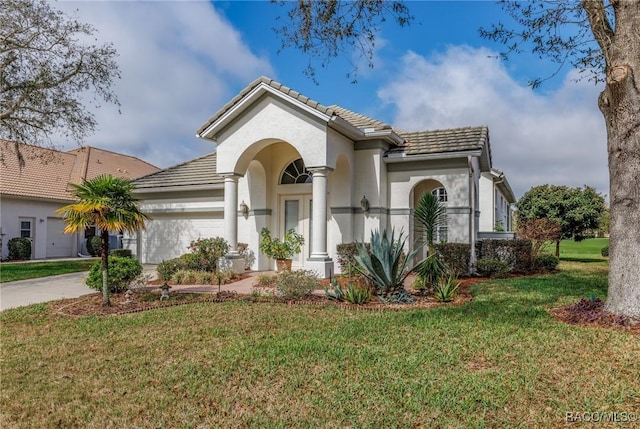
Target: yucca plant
{"x":385,"y":264}
{"x":428,"y":215}
{"x":446,"y":288}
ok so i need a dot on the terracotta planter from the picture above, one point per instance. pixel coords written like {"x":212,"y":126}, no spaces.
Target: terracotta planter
{"x":283,"y":264}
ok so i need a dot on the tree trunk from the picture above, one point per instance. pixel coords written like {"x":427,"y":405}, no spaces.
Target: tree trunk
{"x":104,"y":254}
{"x":620,"y":105}
{"x":557,"y":248}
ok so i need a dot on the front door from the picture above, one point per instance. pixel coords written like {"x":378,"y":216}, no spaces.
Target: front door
{"x":296,"y":213}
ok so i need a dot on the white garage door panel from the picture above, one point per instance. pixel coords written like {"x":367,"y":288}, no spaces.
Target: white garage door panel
{"x":58,"y":243}
{"x":168,"y":237}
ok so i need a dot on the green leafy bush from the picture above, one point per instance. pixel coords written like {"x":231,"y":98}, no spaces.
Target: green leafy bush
{"x":456,"y":256}
{"x":445,"y":290}
{"x":121,"y":253}
{"x":19,"y":249}
{"x":166,"y":269}
{"x":547,"y":262}
{"x":121,"y":272}
{"x":274,"y":248}
{"x":605,"y":251}
{"x":296,"y":284}
{"x":516,"y":253}
{"x":208,"y":251}
{"x":492,"y":267}
{"x":93,"y":245}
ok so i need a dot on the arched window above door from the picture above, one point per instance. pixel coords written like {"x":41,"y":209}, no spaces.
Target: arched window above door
{"x":440,"y":194}
{"x":295,"y":172}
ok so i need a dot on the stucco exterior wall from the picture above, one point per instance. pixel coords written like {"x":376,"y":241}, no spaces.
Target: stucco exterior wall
{"x":262,"y":125}
{"x":43,"y":215}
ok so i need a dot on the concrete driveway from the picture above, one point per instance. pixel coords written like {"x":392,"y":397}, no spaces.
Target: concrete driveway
{"x":44,"y":289}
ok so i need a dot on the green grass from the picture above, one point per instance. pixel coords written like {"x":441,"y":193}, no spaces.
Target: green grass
{"x":10,"y":272}
{"x":584,"y":251}
{"x":498,"y":361}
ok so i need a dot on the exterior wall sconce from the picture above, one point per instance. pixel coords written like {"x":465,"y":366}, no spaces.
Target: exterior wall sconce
{"x":364,"y":204}
{"x":244,"y":209}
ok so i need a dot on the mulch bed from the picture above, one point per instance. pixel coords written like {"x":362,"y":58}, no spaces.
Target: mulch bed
{"x":590,"y":312}
{"x":91,"y":305}
{"x":584,"y":312}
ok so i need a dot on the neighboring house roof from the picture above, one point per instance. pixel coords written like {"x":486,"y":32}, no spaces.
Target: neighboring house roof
{"x":199,"y":172}
{"x":46,"y":173}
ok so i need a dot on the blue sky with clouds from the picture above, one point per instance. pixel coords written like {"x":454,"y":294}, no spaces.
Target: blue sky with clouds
{"x":181,"y":61}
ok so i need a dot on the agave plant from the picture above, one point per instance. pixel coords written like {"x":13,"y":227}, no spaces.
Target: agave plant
{"x":385,"y":265}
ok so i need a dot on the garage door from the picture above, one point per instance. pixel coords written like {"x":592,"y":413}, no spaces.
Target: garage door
{"x":59,"y":244}
{"x":169,"y":236}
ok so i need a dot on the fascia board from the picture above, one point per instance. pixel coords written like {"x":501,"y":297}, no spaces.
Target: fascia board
{"x":153,"y":190}
{"x":392,"y":158}
{"x":211,"y":131}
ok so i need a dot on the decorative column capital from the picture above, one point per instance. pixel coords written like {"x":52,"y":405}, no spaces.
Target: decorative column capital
{"x":320,"y":171}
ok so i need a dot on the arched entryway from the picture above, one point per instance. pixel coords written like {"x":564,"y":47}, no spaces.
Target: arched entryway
{"x":437,"y":189}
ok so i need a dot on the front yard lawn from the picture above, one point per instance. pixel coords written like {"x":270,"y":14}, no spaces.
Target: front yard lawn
{"x":11,"y":271}
{"x":500,"y":360}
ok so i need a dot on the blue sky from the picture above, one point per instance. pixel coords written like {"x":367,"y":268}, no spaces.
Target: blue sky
{"x":181,"y":61}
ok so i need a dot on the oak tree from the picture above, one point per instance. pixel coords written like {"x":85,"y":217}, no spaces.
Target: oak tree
{"x":327,"y":29}
{"x":602,"y":40}
{"x":51,"y":71}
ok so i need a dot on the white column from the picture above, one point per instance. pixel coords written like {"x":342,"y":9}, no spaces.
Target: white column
{"x":231,"y":212}
{"x":319,"y":243}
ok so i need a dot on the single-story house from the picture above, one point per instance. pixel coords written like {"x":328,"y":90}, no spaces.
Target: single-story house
{"x":285,"y":161}
{"x":34,"y":186}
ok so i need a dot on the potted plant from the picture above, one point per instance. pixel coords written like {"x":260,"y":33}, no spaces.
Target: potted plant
{"x":281,"y":251}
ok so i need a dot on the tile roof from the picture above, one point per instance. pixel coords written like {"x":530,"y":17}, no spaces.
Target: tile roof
{"x":197,"y":172}
{"x":442,"y":141}
{"x":46,"y":173}
{"x":416,"y":143}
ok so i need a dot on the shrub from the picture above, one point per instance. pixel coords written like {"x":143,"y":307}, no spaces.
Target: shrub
{"x":399,"y":296}
{"x":121,"y":272}
{"x":547,"y":262}
{"x":515,"y":253}
{"x":604,"y":251}
{"x":93,"y":245}
{"x":19,"y":248}
{"x":166,"y":269}
{"x":357,"y":295}
{"x":346,"y":257}
{"x":208,"y":251}
{"x":296,"y":284}
{"x":456,"y":256}
{"x":121,"y":253}
{"x":492,"y":267}
{"x":421,"y":285}
{"x":445,"y":290}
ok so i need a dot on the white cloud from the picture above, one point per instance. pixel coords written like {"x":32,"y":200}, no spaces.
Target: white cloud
{"x":180,"y":62}
{"x":558,"y":137}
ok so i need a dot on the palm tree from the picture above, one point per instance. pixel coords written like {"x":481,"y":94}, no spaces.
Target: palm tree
{"x":106,"y":202}
{"x":429,"y":214}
